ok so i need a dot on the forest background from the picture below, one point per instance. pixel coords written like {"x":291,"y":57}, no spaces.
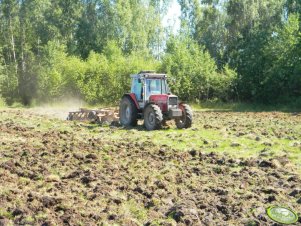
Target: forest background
{"x":225,"y":50}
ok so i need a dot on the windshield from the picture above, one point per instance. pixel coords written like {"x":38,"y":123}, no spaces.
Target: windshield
{"x":155,"y":86}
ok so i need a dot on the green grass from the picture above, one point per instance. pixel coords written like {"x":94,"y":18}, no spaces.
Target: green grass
{"x":245,"y":107}
{"x":135,"y":210}
{"x":4,"y":213}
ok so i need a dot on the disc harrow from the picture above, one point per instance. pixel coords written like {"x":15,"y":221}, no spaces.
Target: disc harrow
{"x":106,"y":115}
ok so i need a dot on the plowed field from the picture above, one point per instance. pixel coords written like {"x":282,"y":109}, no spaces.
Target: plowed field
{"x":225,"y":170}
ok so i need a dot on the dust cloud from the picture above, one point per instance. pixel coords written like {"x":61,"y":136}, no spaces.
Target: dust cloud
{"x":60,"y":109}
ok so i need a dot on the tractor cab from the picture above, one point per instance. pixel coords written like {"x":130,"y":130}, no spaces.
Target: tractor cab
{"x":148,"y":83}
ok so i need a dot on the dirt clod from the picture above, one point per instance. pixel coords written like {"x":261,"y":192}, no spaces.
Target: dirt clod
{"x":295,"y":192}
{"x":193,"y":152}
{"x":175,"y":213}
{"x":48,"y":201}
{"x":86,"y":179}
{"x":265,"y":163}
{"x":17,"y":212}
{"x":234,"y":144}
{"x":91,"y":156}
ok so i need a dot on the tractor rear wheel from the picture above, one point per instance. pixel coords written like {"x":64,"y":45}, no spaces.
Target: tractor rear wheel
{"x":128,"y":112}
{"x":186,"y":120}
{"x":153,"y":117}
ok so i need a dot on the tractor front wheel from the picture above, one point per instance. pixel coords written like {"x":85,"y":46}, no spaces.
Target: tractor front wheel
{"x":186,"y":120}
{"x":153,"y":117}
{"x":128,"y":112}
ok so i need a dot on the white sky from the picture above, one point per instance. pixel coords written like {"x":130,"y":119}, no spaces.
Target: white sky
{"x":172,"y":19}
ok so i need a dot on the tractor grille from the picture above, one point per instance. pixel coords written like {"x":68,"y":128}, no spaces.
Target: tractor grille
{"x":173,"y":101}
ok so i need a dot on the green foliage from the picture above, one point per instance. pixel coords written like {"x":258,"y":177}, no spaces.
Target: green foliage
{"x":190,"y":67}
{"x":133,"y":25}
{"x":107,"y":75}
{"x":101,"y":78}
{"x":269,"y":67}
{"x":282,"y":78}
{"x":2,"y":102}
{"x":205,"y":22}
{"x":17,"y":105}
{"x":8,"y":84}
{"x":58,"y":73}
{"x":2,"y":76}
{"x":259,"y":39}
{"x":195,"y":72}
{"x":223,"y":85}
{"x":297,"y":103}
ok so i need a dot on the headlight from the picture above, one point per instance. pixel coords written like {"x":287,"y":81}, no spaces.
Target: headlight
{"x":173,"y":101}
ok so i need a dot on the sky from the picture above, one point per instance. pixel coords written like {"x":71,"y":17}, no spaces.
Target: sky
{"x":173,"y":16}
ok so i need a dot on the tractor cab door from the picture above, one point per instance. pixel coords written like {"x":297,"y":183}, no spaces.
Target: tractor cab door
{"x":137,"y":89}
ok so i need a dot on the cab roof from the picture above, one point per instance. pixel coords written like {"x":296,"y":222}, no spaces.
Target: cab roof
{"x":148,"y":74}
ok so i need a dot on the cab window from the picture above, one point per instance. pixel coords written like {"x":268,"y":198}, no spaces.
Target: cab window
{"x":137,"y":88}
{"x":153,"y":86}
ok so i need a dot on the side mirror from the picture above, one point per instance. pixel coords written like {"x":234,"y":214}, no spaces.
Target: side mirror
{"x":139,"y":80}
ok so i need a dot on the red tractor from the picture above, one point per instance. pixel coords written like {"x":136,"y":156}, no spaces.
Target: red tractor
{"x":151,"y":100}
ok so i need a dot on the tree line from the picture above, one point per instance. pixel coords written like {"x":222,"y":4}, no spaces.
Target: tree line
{"x":230,"y":50}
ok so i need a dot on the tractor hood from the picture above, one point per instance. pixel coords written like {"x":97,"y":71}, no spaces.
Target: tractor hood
{"x":164,"y":100}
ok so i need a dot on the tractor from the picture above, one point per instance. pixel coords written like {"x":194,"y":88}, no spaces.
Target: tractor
{"x":151,"y":100}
